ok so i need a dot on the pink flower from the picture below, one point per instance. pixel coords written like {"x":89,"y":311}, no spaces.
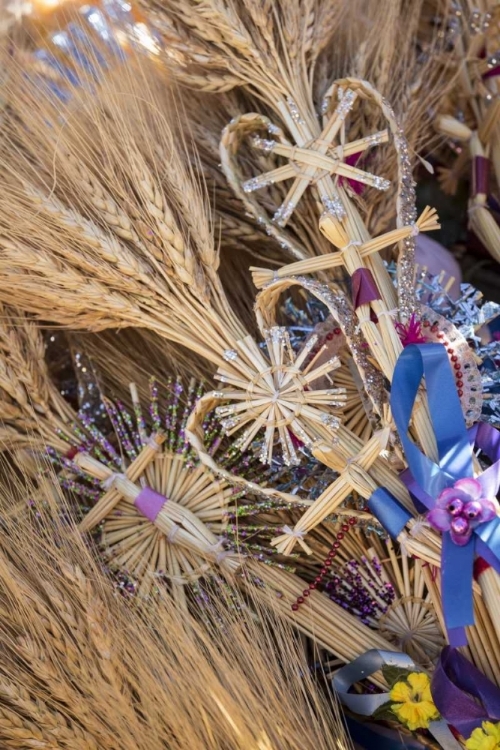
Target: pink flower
{"x":460,"y":509}
{"x":410,"y":332}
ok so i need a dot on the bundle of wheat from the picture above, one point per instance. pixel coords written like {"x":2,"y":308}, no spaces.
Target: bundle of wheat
{"x":119,"y":250}
{"x":81,"y":669}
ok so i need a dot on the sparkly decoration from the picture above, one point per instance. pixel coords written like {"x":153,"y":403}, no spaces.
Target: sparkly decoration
{"x":387,"y":592}
{"x":328,"y":160}
{"x":275,"y":394}
{"x":467,"y":376}
{"x":457,"y":324}
{"x":192,"y":533}
{"x":406,"y":202}
{"x":360,"y":588}
{"x":333,"y":206}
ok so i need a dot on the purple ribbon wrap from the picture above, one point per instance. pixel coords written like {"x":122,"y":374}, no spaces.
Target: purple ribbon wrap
{"x":462,"y":694}
{"x":364,"y":288}
{"x":149,"y":503}
{"x":480,"y":175}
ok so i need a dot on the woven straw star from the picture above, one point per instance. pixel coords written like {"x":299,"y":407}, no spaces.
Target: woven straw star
{"x":275,"y":393}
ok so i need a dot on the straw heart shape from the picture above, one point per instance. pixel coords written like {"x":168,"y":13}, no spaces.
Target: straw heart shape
{"x":457,"y":503}
{"x":312,"y":161}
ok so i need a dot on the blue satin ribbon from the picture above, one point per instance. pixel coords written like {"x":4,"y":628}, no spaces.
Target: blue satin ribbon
{"x":426,"y":479}
{"x":391,"y":514}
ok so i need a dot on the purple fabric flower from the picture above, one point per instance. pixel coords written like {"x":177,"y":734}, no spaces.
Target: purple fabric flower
{"x":459,"y":509}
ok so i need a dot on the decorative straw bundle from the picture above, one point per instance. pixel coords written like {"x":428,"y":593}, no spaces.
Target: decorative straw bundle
{"x":80,"y":669}
{"x":165,"y":523}
{"x":146,"y":243}
{"x":112,"y":216}
{"x":468,"y":114}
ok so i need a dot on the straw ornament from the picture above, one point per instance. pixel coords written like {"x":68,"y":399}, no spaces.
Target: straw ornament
{"x":310,"y":163}
{"x":333,"y":196}
{"x":159,"y":516}
{"x":275,"y":395}
{"x":165,"y":523}
{"x":387,"y":589}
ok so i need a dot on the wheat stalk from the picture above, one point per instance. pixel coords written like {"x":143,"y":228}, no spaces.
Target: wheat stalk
{"x":96,"y":673}
{"x":116,"y":252}
{"x":29,"y":400}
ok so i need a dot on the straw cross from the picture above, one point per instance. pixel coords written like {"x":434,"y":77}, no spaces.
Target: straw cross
{"x":355,"y":475}
{"x":315,"y":161}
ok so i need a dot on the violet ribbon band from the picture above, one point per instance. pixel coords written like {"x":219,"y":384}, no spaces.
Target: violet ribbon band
{"x":366,"y":705}
{"x":364,"y":288}
{"x":480,"y":175}
{"x":462,"y":694}
{"x":149,"y":503}
{"x":426,"y":480}
{"x":491,"y":73}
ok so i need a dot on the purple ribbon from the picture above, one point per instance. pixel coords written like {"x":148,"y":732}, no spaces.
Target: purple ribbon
{"x":149,"y":503}
{"x":491,"y":73}
{"x":457,"y":686}
{"x":364,"y":288}
{"x":480,"y":176}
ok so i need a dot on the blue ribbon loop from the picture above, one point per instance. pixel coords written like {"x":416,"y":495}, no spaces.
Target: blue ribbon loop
{"x":426,"y":479}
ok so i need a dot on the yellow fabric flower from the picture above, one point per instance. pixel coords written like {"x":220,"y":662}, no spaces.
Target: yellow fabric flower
{"x":413,"y":704}
{"x":486,"y":738}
